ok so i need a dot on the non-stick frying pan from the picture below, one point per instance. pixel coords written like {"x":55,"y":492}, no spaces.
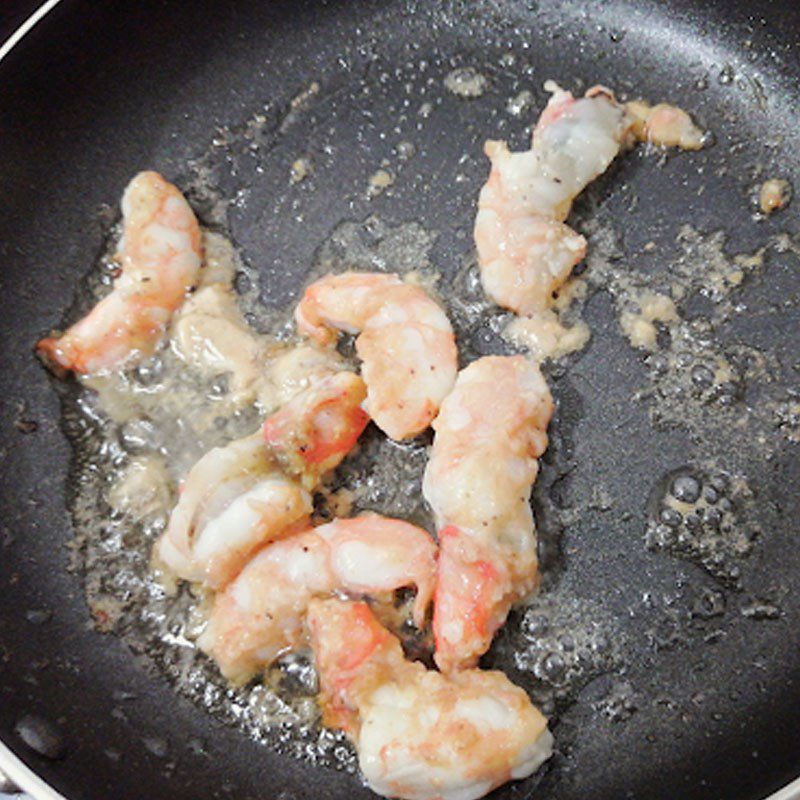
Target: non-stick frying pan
{"x":709,"y":702}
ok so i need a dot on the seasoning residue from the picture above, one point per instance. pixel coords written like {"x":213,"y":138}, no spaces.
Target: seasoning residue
{"x":773,"y":195}
{"x":379,"y":181}
{"x":466,"y":82}
{"x":545,"y":336}
{"x":301,"y":169}
{"x":638,"y":318}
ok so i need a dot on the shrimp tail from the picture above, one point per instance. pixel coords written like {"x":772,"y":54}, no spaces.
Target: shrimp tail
{"x":473,"y":595}
{"x":51,"y":352}
{"x":342,"y":662}
{"x":314,"y":431}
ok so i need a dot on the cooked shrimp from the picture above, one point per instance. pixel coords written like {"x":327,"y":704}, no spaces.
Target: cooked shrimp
{"x":262,"y":613}
{"x":237,"y":498}
{"x":419,"y":734}
{"x":160,"y":253}
{"x":525,"y":250}
{"x":406,"y":344}
{"x":315,"y":430}
{"x":234,"y":500}
{"x":489,"y":433}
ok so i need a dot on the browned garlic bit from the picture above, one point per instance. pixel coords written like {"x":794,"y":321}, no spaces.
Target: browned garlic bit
{"x":775,"y":194}
{"x":638,"y":325}
{"x":664,"y":125}
{"x":545,"y":336}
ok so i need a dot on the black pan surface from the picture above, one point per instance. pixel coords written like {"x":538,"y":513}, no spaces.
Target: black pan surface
{"x":703,"y":700}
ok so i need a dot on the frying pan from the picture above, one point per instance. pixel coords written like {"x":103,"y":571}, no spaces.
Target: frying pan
{"x":96,"y":91}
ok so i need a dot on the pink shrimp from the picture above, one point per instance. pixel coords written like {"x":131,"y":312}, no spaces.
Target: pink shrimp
{"x":237,"y":498}
{"x":315,"y":430}
{"x":234,"y":500}
{"x":261,"y":614}
{"x":160,"y":253}
{"x":420,"y":735}
{"x":525,"y":250}
{"x":489,"y":433}
{"x":406,"y":344}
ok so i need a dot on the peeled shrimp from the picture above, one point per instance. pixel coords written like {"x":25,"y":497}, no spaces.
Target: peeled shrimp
{"x":262,"y":613}
{"x":237,"y":498}
{"x":489,"y":433}
{"x":525,"y":250}
{"x":160,"y":253}
{"x":419,"y":734}
{"x":406,"y":344}
{"x":314,"y":430}
{"x":234,"y":500}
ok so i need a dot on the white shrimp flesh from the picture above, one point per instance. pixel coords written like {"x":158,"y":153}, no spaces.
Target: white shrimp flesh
{"x":419,"y":734}
{"x":489,"y":434}
{"x":235,"y":499}
{"x":405,"y":342}
{"x":261,"y":614}
{"x":525,"y":250}
{"x":160,"y":254}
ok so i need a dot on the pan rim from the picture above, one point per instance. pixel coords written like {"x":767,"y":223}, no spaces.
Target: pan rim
{"x":11,"y":765}
{"x":25,"y":778}
{"x":14,"y":39}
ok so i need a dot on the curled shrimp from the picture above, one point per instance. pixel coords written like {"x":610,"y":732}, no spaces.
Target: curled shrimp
{"x":160,"y":253}
{"x":525,"y":250}
{"x":238,"y":497}
{"x":235,"y":499}
{"x":420,"y":735}
{"x":489,"y":434}
{"x":261,"y":614}
{"x":405,"y":342}
{"x":314,"y":430}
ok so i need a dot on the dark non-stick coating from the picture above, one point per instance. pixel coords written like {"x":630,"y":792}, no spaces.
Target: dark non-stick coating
{"x":101,"y":90}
